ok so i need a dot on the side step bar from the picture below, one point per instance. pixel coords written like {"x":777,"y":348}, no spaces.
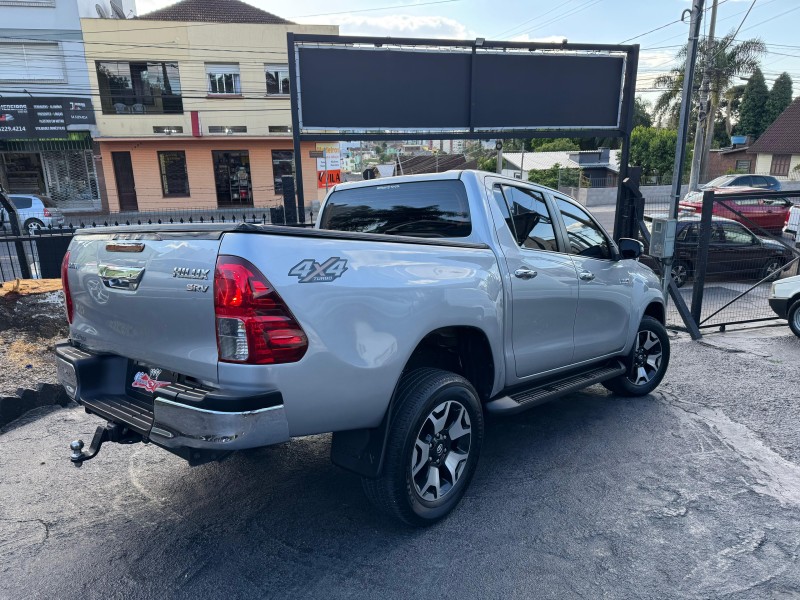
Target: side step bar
{"x":543,"y":392}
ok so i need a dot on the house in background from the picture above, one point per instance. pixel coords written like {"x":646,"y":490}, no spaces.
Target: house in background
{"x":600,"y":167}
{"x":777,"y":151}
{"x":47,"y":120}
{"x":193,"y":107}
{"x":734,"y":159}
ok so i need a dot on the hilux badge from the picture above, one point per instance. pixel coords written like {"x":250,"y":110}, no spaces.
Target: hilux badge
{"x":187,"y":273}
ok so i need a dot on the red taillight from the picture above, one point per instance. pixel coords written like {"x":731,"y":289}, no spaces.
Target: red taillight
{"x":254,"y":325}
{"x":65,"y":286}
{"x":46,"y":213}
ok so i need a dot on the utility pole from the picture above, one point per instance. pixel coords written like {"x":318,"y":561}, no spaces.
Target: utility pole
{"x":686,"y":105}
{"x":705,"y":121}
{"x":499,"y":145}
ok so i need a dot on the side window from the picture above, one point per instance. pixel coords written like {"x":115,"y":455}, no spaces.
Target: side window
{"x":747,"y":180}
{"x":736,"y":234}
{"x":688,"y":235}
{"x":532,"y":224}
{"x":21,"y":203}
{"x":585,"y":237}
{"x":500,"y":201}
{"x":759,"y":182}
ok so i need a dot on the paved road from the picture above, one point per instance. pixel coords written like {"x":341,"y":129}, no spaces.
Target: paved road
{"x":693,"y":492}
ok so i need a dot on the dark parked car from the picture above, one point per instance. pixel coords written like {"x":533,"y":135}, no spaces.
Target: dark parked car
{"x":763,"y":182}
{"x":734,"y":250}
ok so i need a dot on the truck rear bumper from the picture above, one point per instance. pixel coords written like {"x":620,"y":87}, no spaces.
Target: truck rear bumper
{"x":178,"y":415}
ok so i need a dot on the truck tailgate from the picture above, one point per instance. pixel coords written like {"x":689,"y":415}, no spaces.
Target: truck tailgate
{"x":148,"y":297}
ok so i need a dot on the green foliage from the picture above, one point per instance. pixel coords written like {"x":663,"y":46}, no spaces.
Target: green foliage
{"x":487,"y":163}
{"x":559,"y":145}
{"x":641,"y":113}
{"x":752,"y":112}
{"x":780,"y":97}
{"x":555,"y":176}
{"x":653,"y":149}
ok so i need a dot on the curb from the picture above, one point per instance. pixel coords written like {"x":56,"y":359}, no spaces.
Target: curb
{"x":45,"y":394}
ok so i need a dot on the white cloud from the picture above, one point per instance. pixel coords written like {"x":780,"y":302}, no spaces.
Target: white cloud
{"x":396,"y":26}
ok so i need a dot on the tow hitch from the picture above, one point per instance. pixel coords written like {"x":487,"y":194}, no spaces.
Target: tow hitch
{"x":111,"y":432}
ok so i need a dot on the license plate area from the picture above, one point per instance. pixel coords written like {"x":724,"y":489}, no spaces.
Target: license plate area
{"x":142,"y":380}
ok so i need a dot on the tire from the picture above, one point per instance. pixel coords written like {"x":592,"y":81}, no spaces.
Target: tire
{"x":643,"y":376}
{"x":794,"y":318}
{"x":680,"y":272}
{"x":772,"y":269}
{"x":431,"y":406}
{"x":32,"y":224}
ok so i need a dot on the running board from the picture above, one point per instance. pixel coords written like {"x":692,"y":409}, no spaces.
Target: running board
{"x":541,"y":393}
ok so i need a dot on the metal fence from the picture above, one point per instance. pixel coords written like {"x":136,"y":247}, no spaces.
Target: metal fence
{"x":35,"y":247}
{"x":729,"y":249}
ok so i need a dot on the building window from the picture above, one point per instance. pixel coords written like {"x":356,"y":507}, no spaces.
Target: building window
{"x":280,"y":129}
{"x":780,"y":164}
{"x":742,"y":166}
{"x":282,"y":164}
{"x":223,"y":79}
{"x":227,"y":129}
{"x":277,"y":80}
{"x":22,"y":62}
{"x":29,"y":3}
{"x":174,"y":177}
{"x":139,"y":88}
{"x":167,"y":129}
{"x":232,"y":177}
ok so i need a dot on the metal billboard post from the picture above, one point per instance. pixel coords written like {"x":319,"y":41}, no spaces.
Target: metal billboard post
{"x":295,"y":108}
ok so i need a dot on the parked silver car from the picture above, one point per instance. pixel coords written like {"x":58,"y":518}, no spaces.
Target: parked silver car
{"x":34,"y":212}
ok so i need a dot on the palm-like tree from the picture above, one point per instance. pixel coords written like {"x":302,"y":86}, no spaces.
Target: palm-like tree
{"x":725,"y":60}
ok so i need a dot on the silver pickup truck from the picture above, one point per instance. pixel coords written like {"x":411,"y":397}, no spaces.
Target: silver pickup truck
{"x":416,"y":305}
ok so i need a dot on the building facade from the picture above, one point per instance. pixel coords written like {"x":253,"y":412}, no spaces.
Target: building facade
{"x":193,"y":107}
{"x":777,"y":151}
{"x":47,"y":120}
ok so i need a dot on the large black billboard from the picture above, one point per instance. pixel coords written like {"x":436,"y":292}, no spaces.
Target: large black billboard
{"x":25,"y":117}
{"x":351,"y":88}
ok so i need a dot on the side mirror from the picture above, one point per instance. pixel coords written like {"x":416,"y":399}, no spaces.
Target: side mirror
{"x":630,"y":248}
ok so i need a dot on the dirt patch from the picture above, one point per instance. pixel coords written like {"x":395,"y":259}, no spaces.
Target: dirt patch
{"x":30,"y":326}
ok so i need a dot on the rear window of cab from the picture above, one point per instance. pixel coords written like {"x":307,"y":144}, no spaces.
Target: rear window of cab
{"x":429,"y":209}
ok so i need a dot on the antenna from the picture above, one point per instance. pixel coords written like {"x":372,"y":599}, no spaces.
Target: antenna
{"x":116,"y":8}
{"x":101,"y":12}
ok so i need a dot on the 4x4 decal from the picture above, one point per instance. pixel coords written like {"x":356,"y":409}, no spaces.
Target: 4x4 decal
{"x":310,"y":271}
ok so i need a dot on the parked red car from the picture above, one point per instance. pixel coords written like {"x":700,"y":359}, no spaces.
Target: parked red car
{"x":769,"y":214}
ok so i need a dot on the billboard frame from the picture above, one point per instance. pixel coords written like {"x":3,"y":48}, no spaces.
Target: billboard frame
{"x":624,"y":217}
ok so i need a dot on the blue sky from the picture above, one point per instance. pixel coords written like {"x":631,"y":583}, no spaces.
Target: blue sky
{"x":776,"y":22}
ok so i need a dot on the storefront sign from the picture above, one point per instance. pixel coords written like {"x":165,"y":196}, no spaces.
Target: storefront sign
{"x":330,"y":165}
{"x":26,"y":117}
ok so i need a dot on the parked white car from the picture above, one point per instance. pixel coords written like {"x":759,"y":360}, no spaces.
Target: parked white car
{"x":784,"y":299}
{"x":33,"y":212}
{"x":792,"y":222}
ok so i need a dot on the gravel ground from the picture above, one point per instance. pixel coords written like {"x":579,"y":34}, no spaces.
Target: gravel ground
{"x":29,"y":327}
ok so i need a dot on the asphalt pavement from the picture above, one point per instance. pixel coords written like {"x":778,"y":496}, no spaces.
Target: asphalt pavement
{"x":692,"y":492}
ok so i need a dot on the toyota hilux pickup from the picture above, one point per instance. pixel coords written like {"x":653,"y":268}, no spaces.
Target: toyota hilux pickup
{"x":415,"y":306}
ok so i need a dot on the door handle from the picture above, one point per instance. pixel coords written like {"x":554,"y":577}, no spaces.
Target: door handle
{"x":525,"y":273}
{"x":126,"y":278}
{"x":586,"y":276}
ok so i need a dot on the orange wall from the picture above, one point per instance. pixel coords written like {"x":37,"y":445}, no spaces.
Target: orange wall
{"x":200,"y":169}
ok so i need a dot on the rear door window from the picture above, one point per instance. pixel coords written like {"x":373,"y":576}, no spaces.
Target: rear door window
{"x":531,"y":222}
{"x":21,"y":202}
{"x":429,"y":209}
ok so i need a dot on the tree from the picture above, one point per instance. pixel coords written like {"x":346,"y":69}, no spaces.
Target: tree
{"x":641,"y":113}
{"x":653,"y":149}
{"x":724,"y":59}
{"x":780,"y":97}
{"x":555,"y":176}
{"x":488,"y":163}
{"x":559,"y":145}
{"x":752,"y":112}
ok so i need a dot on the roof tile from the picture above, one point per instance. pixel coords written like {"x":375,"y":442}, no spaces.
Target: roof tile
{"x":214,"y":11}
{"x":783,"y":136}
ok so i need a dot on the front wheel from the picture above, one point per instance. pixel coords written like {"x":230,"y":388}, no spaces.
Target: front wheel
{"x":794,"y":318}
{"x":646,"y":364}
{"x":772,"y":269}
{"x":432,"y":450}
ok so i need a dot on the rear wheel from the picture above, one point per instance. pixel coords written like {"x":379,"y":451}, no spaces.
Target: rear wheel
{"x":647,"y":363}
{"x":32,"y":226}
{"x":432,"y":450}
{"x":794,"y":318}
{"x":680,"y":272}
{"x":772,"y":269}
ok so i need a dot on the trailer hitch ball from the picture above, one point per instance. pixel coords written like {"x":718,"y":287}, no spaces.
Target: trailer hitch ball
{"x":77,"y":450}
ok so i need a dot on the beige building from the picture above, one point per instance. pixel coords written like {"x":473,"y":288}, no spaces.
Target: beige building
{"x":192,"y":105}
{"x":777,"y":151}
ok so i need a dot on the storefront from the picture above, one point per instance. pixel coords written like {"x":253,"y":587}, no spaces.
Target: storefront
{"x":39,"y":155}
{"x":182,"y":173}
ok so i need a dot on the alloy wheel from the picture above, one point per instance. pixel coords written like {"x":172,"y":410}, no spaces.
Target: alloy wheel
{"x":647,"y":354}
{"x":441,"y":450}
{"x":680,"y":274}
